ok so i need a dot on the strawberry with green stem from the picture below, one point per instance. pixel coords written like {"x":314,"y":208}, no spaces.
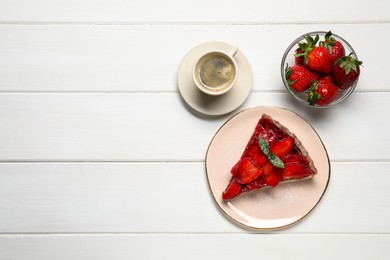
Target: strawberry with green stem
{"x":299,"y":60}
{"x":346,"y":71}
{"x":300,"y":78}
{"x":335,"y":47}
{"x":315,"y":57}
{"x":323,"y":92}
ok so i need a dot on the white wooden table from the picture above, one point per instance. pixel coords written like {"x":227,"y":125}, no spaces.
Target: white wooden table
{"x":101,"y":159}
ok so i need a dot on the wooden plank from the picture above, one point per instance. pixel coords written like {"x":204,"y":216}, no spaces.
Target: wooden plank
{"x":145,"y":58}
{"x":139,"y":127}
{"x":183,"y":11}
{"x":169,"y":198}
{"x":195,"y":246}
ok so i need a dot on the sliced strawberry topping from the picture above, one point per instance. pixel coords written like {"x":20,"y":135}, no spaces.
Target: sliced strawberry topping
{"x":258,"y":156}
{"x":246,"y":171}
{"x":268,"y":130}
{"x":267,"y":168}
{"x":283,"y":146}
{"x":256,"y":184}
{"x":296,"y":170}
{"x":294,"y":157}
{"x":232,"y":190}
{"x":273,"y":178}
{"x":235,"y":168}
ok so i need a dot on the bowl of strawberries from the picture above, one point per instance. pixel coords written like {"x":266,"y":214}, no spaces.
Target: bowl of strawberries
{"x":320,"y":69}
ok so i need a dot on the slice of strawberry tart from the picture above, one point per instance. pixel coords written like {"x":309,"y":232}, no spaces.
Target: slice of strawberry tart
{"x":272,"y":155}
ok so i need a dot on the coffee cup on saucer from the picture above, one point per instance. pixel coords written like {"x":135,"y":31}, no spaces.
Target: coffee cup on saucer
{"x":215,"y":72}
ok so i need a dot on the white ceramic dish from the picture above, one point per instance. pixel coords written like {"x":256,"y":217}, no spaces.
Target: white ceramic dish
{"x":214,"y":105}
{"x":267,"y":208}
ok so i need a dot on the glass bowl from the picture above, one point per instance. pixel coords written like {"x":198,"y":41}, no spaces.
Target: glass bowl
{"x":289,"y":60}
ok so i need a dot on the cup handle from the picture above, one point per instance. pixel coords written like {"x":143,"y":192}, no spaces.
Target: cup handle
{"x":233,"y":51}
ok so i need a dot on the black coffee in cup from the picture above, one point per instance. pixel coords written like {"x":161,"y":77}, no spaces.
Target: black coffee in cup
{"x":215,"y":72}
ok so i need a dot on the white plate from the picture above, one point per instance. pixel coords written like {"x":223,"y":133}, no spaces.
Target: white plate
{"x":266,"y":208}
{"x":214,"y":105}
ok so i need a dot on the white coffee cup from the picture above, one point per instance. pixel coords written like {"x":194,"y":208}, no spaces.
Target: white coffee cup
{"x":215,"y":72}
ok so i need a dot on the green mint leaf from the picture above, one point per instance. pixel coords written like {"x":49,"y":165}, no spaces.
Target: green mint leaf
{"x":275,"y":160}
{"x":264,"y":146}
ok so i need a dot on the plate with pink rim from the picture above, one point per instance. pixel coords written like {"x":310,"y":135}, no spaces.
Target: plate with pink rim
{"x":267,"y":208}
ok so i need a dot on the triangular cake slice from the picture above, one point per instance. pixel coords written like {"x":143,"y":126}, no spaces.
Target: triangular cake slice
{"x":272,"y":155}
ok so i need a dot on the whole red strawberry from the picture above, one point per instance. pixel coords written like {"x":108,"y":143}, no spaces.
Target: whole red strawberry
{"x":316,"y":58}
{"x":299,"y":60}
{"x":320,"y":60}
{"x":346,"y":71}
{"x":300,"y":78}
{"x":323,"y":92}
{"x":335,"y":47}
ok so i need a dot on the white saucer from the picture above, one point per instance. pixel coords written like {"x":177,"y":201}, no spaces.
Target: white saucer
{"x":214,"y":105}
